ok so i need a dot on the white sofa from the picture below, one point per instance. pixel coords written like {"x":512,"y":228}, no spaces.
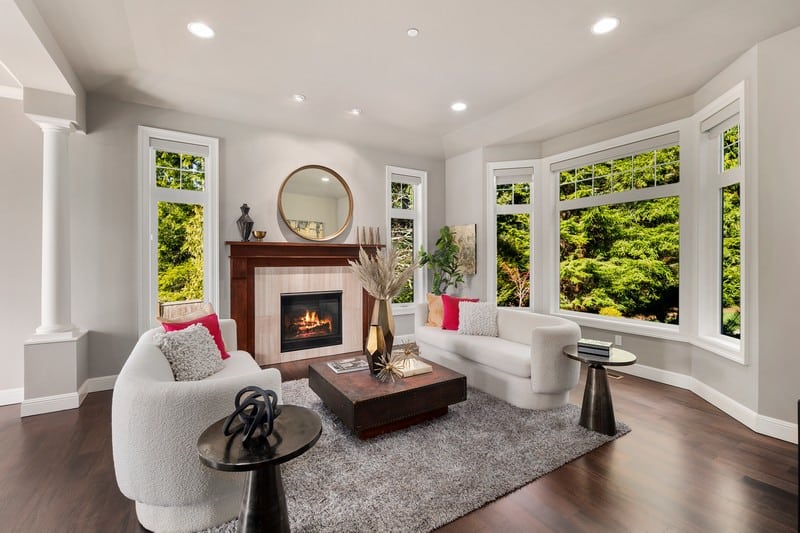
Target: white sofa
{"x":155,"y":424}
{"x":524,"y":365}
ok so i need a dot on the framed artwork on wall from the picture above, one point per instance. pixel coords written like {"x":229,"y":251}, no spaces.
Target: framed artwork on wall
{"x":467,"y":248}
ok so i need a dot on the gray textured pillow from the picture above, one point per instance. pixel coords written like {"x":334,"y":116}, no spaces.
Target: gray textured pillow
{"x":477,"y":318}
{"x":191,"y":352}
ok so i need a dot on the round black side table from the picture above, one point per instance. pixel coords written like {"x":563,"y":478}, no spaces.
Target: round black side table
{"x":597,"y":411}
{"x":296,"y":430}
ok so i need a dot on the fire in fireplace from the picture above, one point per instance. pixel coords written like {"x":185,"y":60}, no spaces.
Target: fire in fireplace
{"x":310,"y":320}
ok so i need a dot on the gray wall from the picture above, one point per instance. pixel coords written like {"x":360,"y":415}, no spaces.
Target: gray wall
{"x":253,"y":164}
{"x":779,"y":220}
{"x":465,"y":203}
{"x":20,"y":237}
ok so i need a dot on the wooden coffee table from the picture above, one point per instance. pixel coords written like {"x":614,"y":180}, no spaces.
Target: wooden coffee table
{"x":370,"y":408}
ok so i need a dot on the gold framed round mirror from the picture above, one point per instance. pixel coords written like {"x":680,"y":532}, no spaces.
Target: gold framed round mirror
{"x":315,"y":203}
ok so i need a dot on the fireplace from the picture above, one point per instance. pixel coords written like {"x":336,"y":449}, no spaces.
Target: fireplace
{"x":310,"y":320}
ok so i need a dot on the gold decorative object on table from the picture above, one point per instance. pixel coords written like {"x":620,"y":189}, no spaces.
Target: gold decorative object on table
{"x":391,"y":366}
{"x":380,"y":278}
{"x":375,"y":347}
{"x":259,"y":235}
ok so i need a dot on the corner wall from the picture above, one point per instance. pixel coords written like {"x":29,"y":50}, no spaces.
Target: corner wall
{"x":465,"y":203}
{"x":20,"y":239}
{"x":779,"y":220}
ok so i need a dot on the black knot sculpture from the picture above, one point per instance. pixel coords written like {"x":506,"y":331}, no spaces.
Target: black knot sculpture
{"x":257,"y":412}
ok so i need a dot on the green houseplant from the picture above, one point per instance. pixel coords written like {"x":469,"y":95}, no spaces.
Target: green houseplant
{"x":443,"y":262}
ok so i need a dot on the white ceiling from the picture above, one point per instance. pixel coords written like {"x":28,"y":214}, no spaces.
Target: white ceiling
{"x":6,"y":79}
{"x":527,"y":68}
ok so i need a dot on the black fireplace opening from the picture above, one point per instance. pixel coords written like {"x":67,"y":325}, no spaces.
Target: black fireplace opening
{"x":310,"y":320}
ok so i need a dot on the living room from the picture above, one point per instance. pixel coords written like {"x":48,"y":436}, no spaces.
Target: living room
{"x":96,"y":66}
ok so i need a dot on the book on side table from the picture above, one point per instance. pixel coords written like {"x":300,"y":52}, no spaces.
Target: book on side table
{"x":351,"y":364}
{"x":594,"y":347}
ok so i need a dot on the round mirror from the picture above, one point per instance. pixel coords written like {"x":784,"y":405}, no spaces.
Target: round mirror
{"x":315,"y":203}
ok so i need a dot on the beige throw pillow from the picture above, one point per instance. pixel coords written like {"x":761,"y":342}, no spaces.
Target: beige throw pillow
{"x":435,"y":311}
{"x":203,"y":310}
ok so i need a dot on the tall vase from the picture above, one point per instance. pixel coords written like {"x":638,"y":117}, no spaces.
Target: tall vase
{"x":245,"y":223}
{"x":382,"y":316}
{"x":375,"y":347}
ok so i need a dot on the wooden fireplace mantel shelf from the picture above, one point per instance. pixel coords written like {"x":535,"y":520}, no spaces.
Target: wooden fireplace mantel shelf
{"x":247,"y":256}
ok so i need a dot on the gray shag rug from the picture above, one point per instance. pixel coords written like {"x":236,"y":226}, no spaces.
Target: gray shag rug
{"x":427,"y":475}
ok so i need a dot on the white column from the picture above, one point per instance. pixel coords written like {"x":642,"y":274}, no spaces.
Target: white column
{"x":56,"y":318}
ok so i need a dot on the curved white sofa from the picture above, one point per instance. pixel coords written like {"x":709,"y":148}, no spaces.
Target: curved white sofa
{"x":155,"y":424}
{"x":524,"y":365}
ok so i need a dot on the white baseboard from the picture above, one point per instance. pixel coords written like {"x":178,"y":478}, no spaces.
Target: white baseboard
{"x":11,"y":396}
{"x":772,"y":427}
{"x":100,"y":384}
{"x":49,"y":404}
{"x":61,"y":402}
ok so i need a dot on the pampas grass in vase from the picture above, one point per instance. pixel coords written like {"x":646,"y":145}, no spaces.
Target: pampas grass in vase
{"x":382,"y":278}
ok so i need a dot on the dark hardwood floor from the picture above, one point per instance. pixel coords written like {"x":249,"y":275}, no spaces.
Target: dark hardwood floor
{"x":686,"y":466}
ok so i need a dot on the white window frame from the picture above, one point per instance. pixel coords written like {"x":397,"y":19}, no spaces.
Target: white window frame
{"x":419,"y":180}
{"x":550,"y":287}
{"x":712,"y":121}
{"x":499,"y":173}
{"x":150,"y":195}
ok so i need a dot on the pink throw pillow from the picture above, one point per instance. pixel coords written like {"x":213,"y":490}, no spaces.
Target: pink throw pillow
{"x":211,"y":323}
{"x":450,"y":304}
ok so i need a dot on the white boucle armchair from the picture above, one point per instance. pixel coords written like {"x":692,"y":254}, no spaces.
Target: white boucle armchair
{"x":524,"y":365}
{"x":155,"y":424}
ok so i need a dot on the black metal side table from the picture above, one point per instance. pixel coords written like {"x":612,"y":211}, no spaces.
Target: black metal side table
{"x":597,"y":412}
{"x":296,"y":430}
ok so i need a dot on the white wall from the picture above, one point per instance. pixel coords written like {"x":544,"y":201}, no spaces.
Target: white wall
{"x":779,"y":220}
{"x":465,"y":203}
{"x":20,"y":238}
{"x":253,"y":164}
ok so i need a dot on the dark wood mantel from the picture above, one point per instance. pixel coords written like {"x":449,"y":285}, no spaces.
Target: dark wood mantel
{"x":247,"y":256}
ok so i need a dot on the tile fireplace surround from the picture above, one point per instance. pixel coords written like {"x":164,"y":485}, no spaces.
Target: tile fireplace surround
{"x":246,"y":257}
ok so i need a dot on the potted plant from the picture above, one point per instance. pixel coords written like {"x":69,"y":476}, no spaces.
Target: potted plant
{"x":443,"y":262}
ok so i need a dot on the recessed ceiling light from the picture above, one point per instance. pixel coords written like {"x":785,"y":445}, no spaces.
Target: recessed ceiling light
{"x":355,"y":111}
{"x":412,"y":32}
{"x":605,"y":25}
{"x":458,"y":106}
{"x":200,"y":29}
{"x":299,"y":97}
{"x":325,"y":178}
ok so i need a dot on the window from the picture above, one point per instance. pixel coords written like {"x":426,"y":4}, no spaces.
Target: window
{"x":722,"y":187}
{"x":406,"y":224}
{"x":178,"y":205}
{"x":619,"y":214}
{"x":511,"y":234}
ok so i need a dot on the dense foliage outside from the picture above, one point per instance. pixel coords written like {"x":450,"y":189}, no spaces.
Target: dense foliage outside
{"x":622,"y":259}
{"x":731,"y":240}
{"x":513,"y":246}
{"x":180,"y":229}
{"x":402,"y":236}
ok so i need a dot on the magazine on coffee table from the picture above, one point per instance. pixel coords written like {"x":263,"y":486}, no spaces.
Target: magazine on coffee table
{"x":351,"y":364}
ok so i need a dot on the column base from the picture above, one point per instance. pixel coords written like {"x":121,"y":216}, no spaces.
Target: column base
{"x":50,"y":334}
{"x":56,"y":369}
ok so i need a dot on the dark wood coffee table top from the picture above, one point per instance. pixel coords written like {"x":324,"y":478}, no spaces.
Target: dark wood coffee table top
{"x":370,"y":407}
